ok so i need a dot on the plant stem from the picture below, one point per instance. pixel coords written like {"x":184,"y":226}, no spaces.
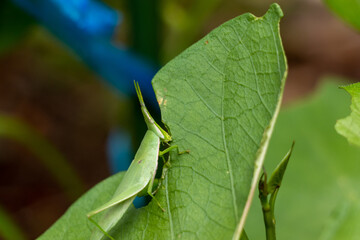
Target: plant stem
{"x":268,"y":207}
{"x":269,"y":220}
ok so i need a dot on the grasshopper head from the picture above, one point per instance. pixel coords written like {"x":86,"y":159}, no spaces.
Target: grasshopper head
{"x":167,"y":138}
{"x":150,"y":122}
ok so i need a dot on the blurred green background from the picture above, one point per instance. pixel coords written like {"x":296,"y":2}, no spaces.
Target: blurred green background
{"x":65,"y":110}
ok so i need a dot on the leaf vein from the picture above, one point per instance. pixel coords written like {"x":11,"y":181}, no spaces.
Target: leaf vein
{"x":202,"y":99}
{"x":204,"y":210}
{"x":202,"y":175}
{"x":168,"y":208}
{"x":199,"y":136}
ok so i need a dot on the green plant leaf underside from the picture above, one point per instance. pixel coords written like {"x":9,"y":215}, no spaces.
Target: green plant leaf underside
{"x":348,"y":10}
{"x":219,"y":98}
{"x":320,"y":195}
{"x":349,"y":127}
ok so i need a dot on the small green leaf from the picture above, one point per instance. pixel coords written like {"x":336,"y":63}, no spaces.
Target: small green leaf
{"x":278,"y":174}
{"x":348,"y":10}
{"x":349,"y":127}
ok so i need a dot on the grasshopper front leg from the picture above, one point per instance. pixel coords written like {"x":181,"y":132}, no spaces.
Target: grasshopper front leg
{"x":166,"y":167}
{"x":161,"y":153}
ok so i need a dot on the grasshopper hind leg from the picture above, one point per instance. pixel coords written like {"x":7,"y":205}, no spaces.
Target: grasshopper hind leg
{"x":150,"y":192}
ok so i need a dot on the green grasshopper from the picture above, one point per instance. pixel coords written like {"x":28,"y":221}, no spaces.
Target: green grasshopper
{"x":141,"y":174}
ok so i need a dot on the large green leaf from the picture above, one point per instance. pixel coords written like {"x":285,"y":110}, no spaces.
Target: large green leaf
{"x":348,"y":10}
{"x":220,"y":99}
{"x":349,"y":127}
{"x":320,"y":195}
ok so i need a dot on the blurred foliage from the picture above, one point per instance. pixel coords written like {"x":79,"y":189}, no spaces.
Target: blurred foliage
{"x":320,"y":197}
{"x":145,"y":28}
{"x":349,"y":127}
{"x":87,"y":28}
{"x":14,"y":24}
{"x":184,"y":21}
{"x":348,"y":10}
{"x":8,"y":228}
{"x":49,"y":156}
